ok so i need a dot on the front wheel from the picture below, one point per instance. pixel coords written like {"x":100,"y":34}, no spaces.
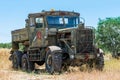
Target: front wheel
{"x":27,"y":65}
{"x":49,"y":62}
{"x":31,"y":66}
{"x":100,"y":62}
{"x":53,"y":61}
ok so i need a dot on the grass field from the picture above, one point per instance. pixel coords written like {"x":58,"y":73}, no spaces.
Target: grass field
{"x":4,"y":62}
{"x":110,"y":72}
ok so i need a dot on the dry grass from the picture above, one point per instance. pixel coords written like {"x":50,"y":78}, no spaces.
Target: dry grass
{"x":4,"y":56}
{"x":110,"y":72}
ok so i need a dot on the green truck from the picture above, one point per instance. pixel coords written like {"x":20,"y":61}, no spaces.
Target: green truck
{"x":57,"y":38}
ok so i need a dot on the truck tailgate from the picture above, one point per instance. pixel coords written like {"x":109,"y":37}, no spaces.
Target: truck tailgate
{"x":20,"y":35}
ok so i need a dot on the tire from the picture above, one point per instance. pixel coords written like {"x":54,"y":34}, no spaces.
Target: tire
{"x":24,"y":62}
{"x":100,"y":63}
{"x":31,"y":66}
{"x":27,"y":65}
{"x":53,"y":61}
{"x":16,"y":61}
{"x":49,"y":63}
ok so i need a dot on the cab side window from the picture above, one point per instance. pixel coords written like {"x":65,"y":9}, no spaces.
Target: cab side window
{"x":39,"y":22}
{"x":32,"y":22}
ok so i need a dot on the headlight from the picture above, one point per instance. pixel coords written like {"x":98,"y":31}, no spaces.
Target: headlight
{"x":72,"y":46}
{"x":71,"y":56}
{"x":98,"y":55}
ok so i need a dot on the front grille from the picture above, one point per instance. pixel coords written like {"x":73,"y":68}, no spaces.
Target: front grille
{"x":85,"y":41}
{"x":34,"y":55}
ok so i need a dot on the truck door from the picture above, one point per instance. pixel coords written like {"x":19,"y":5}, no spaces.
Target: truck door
{"x":38,"y":39}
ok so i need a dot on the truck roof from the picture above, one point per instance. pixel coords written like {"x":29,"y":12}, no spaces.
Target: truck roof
{"x":54,"y":13}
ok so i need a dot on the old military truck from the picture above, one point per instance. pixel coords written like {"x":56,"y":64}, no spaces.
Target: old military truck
{"x":57,"y":38}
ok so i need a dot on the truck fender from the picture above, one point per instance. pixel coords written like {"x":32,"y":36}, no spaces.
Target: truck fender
{"x":54,"y":48}
{"x":56,"y":59}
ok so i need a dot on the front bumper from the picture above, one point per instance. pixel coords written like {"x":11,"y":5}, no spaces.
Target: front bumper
{"x":85,"y":56}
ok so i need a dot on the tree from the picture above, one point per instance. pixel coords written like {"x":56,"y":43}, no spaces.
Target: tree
{"x":108,"y":34}
{"x":5,"y":45}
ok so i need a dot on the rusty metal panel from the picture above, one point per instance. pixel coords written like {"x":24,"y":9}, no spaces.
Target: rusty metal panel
{"x":85,"y":40}
{"x":20,"y":35}
{"x":38,"y":38}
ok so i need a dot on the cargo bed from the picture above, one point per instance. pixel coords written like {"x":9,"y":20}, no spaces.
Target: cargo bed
{"x":20,"y":35}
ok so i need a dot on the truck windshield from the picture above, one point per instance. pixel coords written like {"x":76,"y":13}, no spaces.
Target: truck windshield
{"x":62,"y":21}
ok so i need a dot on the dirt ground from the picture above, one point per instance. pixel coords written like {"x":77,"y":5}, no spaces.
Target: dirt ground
{"x":110,"y":72}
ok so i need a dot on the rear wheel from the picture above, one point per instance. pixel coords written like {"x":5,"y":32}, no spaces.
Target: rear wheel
{"x":16,"y":61}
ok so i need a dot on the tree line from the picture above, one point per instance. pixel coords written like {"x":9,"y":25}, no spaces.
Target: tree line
{"x":108,"y":35}
{"x":5,"y":45}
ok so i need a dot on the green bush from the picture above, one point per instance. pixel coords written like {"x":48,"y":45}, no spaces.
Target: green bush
{"x":5,"y":45}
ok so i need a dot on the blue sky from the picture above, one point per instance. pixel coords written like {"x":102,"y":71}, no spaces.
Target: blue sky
{"x":14,"y":12}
